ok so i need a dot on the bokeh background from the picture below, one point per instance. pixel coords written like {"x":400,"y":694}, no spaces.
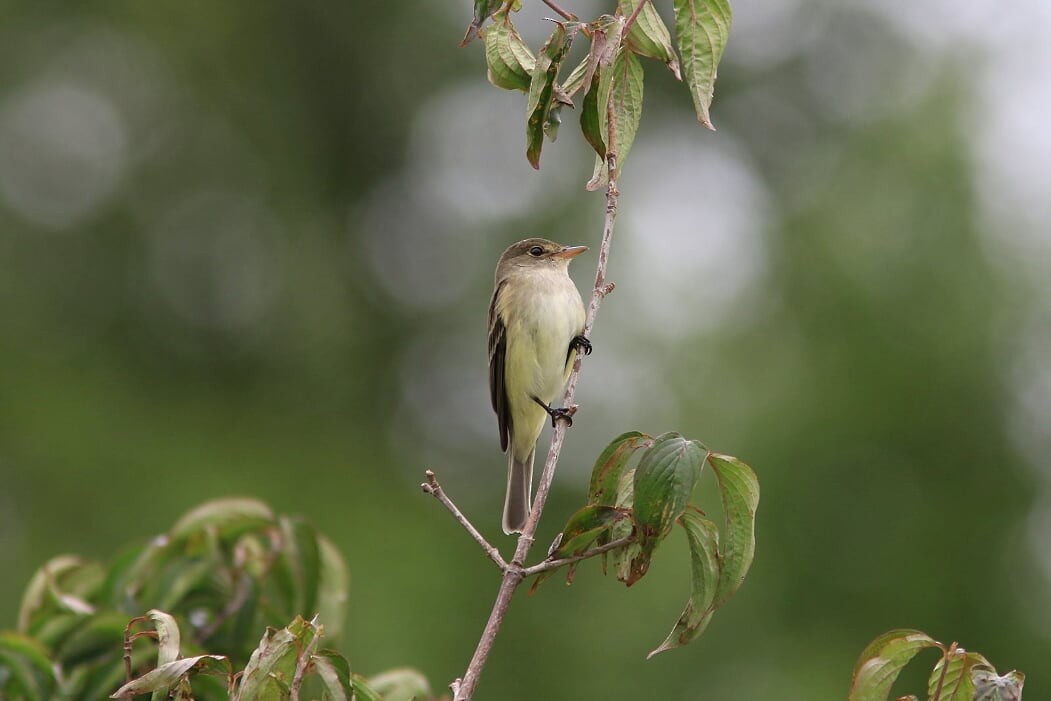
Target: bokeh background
{"x":246,"y":248}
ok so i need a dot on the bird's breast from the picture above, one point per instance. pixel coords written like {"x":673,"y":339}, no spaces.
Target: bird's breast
{"x":542,"y":313}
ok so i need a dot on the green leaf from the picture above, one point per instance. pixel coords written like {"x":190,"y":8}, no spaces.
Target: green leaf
{"x":542,"y":89}
{"x":335,"y":677}
{"x":609,"y":467}
{"x":363,"y":691}
{"x":882,"y":660}
{"x":42,"y":589}
{"x":305,"y":657}
{"x":170,"y":674}
{"x":581,"y":530}
{"x":50,"y":631}
{"x":951,"y":678}
{"x":300,"y":554}
{"x":575,"y":81}
{"x":179,"y":579}
{"x":403,"y":684}
{"x":554,"y":116}
{"x":272,"y":664}
{"x":990,"y":687}
{"x":227,"y":516}
{"x":740,"y":494}
{"x":101,"y":634}
{"x":703,"y":538}
{"x":624,"y":500}
{"x":649,"y":36}
{"x":25,"y":669}
{"x":168,"y":642}
{"x":482,"y":10}
{"x":606,"y":33}
{"x":625,"y":97}
{"x":664,"y":481}
{"x":168,"y":637}
{"x":332,"y":590}
{"x":701,"y":30}
{"x":590,"y":124}
{"x":584,"y":527}
{"x":510,"y":62}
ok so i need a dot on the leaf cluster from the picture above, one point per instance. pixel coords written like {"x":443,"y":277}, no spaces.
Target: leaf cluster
{"x":610,"y":76}
{"x":224,"y":572}
{"x":958,"y":675}
{"x":639,"y":503}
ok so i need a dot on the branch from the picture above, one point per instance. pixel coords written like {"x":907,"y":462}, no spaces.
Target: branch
{"x":569,"y":16}
{"x":549,"y":564}
{"x":432,"y":487}
{"x":463,"y":689}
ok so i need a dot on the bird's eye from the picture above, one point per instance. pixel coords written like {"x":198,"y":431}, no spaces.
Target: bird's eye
{"x":536,"y":251}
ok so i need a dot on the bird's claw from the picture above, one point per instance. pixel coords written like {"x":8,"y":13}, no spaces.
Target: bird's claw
{"x":581,"y":344}
{"x":566,"y":414}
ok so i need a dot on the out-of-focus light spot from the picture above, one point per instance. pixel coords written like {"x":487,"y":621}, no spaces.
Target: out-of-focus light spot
{"x":416,"y":258}
{"x":62,"y":152}
{"x":1013,"y":148}
{"x":466,"y":171}
{"x":444,"y":386}
{"x":1039,"y":532}
{"x":1030,"y":389}
{"x":695,"y":247}
{"x":12,"y":532}
{"x":859,"y":75}
{"x":468,"y":157}
{"x":215,"y":260}
{"x":767,"y":33}
{"x":937,"y":26}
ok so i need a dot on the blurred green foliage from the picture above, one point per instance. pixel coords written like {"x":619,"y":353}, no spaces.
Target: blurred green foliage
{"x":233,"y":270}
{"x":226,"y":570}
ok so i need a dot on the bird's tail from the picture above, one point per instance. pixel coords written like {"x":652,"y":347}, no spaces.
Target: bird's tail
{"x":518,"y":501}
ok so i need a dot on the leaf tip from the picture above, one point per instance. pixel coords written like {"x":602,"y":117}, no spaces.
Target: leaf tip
{"x":468,"y":37}
{"x":657,"y":650}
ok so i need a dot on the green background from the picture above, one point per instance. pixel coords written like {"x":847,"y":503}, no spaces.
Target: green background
{"x":246,"y":249}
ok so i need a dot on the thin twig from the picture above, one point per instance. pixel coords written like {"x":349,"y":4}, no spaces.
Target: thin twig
{"x":548,"y":565}
{"x":129,"y":639}
{"x":513,"y":575}
{"x":432,"y":487}
{"x":565,"y":15}
{"x":634,"y":15}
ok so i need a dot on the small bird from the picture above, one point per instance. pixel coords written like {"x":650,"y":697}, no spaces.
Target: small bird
{"x":536,"y":326}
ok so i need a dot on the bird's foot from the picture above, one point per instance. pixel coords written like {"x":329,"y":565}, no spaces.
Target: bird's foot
{"x":581,"y":344}
{"x":564,"y":413}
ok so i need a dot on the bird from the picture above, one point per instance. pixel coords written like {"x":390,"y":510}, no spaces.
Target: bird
{"x":536,"y":329}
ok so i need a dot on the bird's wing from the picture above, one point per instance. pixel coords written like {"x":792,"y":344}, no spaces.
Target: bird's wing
{"x":497,"y":354}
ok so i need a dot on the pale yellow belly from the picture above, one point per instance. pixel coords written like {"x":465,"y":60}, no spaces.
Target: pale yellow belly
{"x":538,"y":360}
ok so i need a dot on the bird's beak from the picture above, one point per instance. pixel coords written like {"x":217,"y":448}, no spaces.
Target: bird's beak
{"x":570,"y":252}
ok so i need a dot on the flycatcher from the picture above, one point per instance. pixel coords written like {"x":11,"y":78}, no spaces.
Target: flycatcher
{"x":536,"y":322}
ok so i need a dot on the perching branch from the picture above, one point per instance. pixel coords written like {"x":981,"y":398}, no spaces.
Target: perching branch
{"x":463,"y":689}
{"x":432,"y":487}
